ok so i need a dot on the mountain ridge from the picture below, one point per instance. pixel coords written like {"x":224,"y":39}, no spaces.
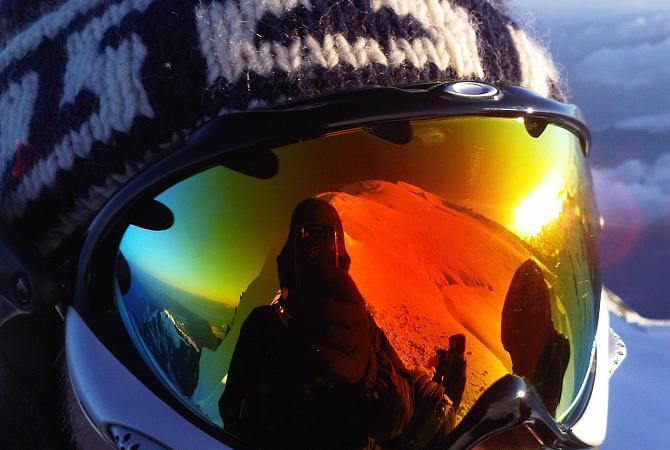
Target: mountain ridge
{"x":617,"y":306}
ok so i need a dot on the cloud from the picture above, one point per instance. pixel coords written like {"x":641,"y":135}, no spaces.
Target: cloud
{"x":634,"y":192}
{"x":612,"y":53}
{"x":630,"y":29}
{"x":587,"y":11}
{"x":641,"y":28}
{"x":626,"y":67}
{"x":655,"y":123}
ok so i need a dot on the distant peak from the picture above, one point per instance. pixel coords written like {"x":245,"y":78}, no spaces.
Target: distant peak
{"x":618,"y":307}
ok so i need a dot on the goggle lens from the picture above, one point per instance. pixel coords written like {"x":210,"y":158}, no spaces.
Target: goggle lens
{"x":469,"y":226}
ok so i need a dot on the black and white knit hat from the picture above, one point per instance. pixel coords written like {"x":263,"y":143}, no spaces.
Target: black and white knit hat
{"x":92,"y":90}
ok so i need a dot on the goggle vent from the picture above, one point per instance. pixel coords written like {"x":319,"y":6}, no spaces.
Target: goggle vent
{"x":127,"y":439}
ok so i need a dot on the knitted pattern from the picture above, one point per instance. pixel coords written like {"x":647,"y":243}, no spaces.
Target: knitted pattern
{"x":93,"y":90}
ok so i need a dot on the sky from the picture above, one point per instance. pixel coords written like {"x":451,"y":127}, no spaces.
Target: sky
{"x":614,"y":55}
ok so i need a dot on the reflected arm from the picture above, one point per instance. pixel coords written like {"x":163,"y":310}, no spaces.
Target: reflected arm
{"x":243,"y":376}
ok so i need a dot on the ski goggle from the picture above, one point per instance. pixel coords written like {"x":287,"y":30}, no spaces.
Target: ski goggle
{"x":316,"y":244}
{"x":315,"y":233}
{"x":465,"y":209}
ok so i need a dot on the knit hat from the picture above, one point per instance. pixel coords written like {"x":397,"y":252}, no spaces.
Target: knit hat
{"x":93,"y":90}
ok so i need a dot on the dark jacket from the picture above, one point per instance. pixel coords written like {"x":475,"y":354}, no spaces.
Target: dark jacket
{"x":276,"y":398}
{"x":314,"y":370}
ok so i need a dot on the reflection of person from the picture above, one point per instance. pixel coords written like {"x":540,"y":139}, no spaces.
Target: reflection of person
{"x":539,"y":352}
{"x":314,"y":370}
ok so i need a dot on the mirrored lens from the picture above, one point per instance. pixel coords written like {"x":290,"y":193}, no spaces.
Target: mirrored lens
{"x":463,"y":255}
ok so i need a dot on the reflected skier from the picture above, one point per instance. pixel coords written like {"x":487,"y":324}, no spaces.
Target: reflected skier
{"x":314,"y":370}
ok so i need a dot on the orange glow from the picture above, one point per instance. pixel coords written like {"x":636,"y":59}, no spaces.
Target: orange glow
{"x":422,"y":284}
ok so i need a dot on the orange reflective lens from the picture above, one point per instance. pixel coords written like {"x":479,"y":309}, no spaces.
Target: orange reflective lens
{"x":468,"y":228}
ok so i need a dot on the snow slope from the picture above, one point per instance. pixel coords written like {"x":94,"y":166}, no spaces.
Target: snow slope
{"x":639,"y":408}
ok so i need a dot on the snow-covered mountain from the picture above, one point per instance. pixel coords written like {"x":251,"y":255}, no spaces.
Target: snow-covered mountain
{"x":172,"y":347}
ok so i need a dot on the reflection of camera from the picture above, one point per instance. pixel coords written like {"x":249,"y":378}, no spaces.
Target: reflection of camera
{"x":316,"y":246}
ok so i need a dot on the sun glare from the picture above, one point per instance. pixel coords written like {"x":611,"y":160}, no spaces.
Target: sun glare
{"x":540,"y":206}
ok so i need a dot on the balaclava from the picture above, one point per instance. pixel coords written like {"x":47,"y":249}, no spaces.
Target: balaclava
{"x":309,"y":211}
{"x":91,"y":91}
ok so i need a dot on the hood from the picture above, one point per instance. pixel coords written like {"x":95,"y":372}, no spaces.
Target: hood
{"x":312,"y":211}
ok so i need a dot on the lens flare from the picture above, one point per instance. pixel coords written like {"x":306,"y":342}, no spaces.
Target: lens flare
{"x":540,"y":206}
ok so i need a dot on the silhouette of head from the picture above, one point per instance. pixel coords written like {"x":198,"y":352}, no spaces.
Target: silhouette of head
{"x":315,"y":243}
{"x":526,"y":323}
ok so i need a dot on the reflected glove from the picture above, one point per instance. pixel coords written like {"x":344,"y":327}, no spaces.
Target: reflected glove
{"x":433,"y":416}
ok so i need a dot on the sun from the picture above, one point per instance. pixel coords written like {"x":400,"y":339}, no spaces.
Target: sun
{"x":541,"y":205}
